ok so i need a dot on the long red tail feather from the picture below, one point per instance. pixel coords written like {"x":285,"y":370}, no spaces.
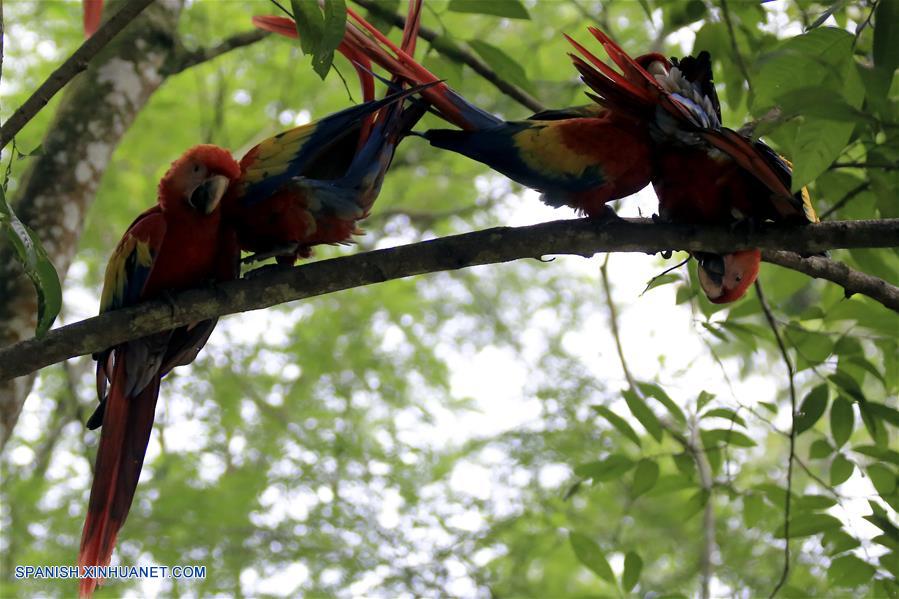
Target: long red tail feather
{"x":127,"y":424}
{"x":92,"y":11}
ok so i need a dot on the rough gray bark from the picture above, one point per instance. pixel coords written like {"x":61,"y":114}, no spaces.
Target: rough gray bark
{"x":583,"y":237}
{"x":96,"y":110}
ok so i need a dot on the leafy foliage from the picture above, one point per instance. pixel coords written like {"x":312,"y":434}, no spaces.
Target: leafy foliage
{"x":32,"y":257}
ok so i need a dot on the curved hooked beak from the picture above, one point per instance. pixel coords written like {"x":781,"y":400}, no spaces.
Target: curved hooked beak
{"x":206,"y":196}
{"x":711,"y":274}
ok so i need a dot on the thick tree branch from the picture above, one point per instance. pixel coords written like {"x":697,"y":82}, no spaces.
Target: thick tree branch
{"x":76,"y":63}
{"x":191,"y":58}
{"x":583,"y":237}
{"x":459,"y":55}
{"x":852,"y":281}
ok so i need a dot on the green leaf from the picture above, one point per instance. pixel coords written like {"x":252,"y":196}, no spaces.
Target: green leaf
{"x":849,"y":571}
{"x":812,"y":348}
{"x":881,"y":453}
{"x":643,"y":414}
{"x":633,"y":566}
{"x":771,"y":407}
{"x":826,"y":106}
{"x":670,"y":483}
{"x":840,"y":469}
{"x":806,"y":525}
{"x":881,"y":520}
{"x":309,"y":22}
{"x":837,"y":541}
{"x":511,"y":9}
{"x":720,"y":436}
{"x":704,"y":398}
{"x":890,"y":563}
{"x":320,"y":30}
{"x":821,"y":58}
{"x":612,"y":467}
{"x":645,"y":476}
{"x":847,"y":384}
{"x":753,"y":509}
{"x":812,"y":409}
{"x":873,"y":424}
{"x":842,"y":420}
{"x":819,"y":448}
{"x":653,"y":390}
{"x":662,"y":280}
{"x":883,"y":479}
{"x":811,"y":503}
{"x":886,"y":37}
{"x":695,"y":503}
{"x":883,"y":412}
{"x":619,"y":423}
{"x":37,"y":151}
{"x":726,"y":414}
{"x":683,"y":294}
{"x":590,"y":555}
{"x":884,"y":587}
{"x":504,"y":65}
{"x":36,"y":264}
{"x":685,"y":464}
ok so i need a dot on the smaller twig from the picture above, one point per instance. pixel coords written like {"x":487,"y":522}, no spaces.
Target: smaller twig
{"x":741,"y":64}
{"x":459,"y":55}
{"x":191,"y":58}
{"x":861,"y":187}
{"x":76,"y":63}
{"x":852,"y":281}
{"x":865,"y":23}
{"x":887,"y":166}
{"x":769,"y":316}
{"x":663,"y":273}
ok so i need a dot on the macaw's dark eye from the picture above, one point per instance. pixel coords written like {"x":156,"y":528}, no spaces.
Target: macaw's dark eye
{"x":196,"y":168}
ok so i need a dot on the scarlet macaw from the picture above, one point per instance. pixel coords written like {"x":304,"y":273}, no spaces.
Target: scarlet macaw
{"x":703,"y":172}
{"x":188,"y":238}
{"x":310,"y":185}
{"x":178,"y":243}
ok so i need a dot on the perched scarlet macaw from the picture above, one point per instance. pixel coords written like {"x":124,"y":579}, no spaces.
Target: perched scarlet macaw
{"x":553,"y":151}
{"x":311,"y":185}
{"x":179,"y":243}
{"x":702,"y":172}
{"x":187,"y":239}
